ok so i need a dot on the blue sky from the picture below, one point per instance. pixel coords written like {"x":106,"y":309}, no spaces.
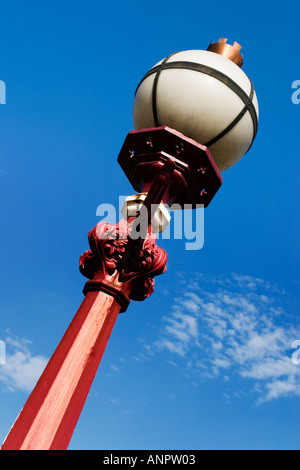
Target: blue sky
{"x":206,"y":362}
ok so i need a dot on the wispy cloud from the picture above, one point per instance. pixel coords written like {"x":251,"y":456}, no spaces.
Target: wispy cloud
{"x":234,"y":328}
{"x":22,"y":368}
{"x":113,"y":370}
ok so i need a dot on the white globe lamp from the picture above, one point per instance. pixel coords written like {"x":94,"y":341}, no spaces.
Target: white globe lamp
{"x":205,"y":95}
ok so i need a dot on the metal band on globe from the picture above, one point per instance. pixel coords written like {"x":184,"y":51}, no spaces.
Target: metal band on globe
{"x":154,"y":89}
{"x":234,"y":122}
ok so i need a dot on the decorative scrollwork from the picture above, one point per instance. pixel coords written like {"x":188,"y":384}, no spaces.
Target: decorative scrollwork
{"x":117,"y":263}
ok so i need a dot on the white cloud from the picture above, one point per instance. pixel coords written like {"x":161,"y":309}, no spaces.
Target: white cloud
{"x":235,"y":328}
{"x":279,"y":388}
{"x":182,"y":328}
{"x":22,"y":369}
{"x":173,"y":347}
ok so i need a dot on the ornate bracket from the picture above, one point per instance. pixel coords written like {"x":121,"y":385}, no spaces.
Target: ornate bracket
{"x":119,"y":265}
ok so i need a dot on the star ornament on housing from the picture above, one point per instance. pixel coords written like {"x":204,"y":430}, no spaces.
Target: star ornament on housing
{"x":205,"y":95}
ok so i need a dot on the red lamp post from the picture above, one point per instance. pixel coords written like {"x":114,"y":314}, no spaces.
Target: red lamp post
{"x":169,"y":167}
{"x":119,"y":269}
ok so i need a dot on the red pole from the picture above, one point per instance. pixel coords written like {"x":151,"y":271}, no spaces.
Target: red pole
{"x":49,"y":416}
{"x":59,"y":395}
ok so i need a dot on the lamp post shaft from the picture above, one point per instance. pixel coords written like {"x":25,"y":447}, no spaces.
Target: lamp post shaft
{"x":50,"y":414}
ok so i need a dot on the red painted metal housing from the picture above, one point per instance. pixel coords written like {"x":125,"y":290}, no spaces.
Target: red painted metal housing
{"x":144,"y":148}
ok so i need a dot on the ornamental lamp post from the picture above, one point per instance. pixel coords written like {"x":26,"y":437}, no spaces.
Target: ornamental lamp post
{"x":195,"y":115}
